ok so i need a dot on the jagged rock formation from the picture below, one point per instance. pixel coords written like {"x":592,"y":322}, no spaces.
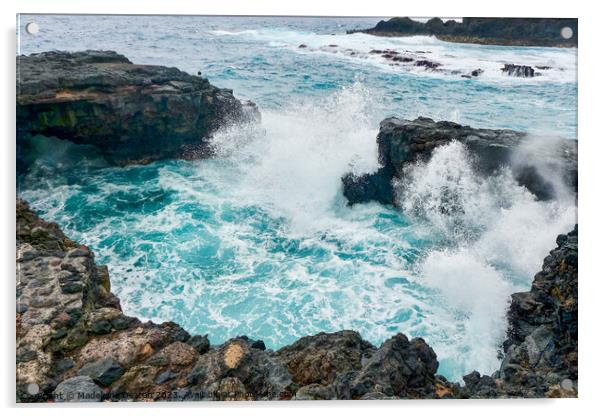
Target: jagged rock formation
{"x":483,"y":30}
{"x":132,"y":113}
{"x":541,"y":349}
{"x":75,"y":344}
{"x":521,"y":71}
{"x":403,"y":142}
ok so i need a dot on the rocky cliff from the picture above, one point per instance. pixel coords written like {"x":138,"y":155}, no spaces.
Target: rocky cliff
{"x":75,"y":344}
{"x":403,"y":142}
{"x":541,"y":349}
{"x":484,"y":30}
{"x":132,"y":113}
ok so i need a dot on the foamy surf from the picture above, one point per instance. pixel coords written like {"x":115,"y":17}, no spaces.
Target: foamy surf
{"x":455,"y":60}
{"x":259,"y":240}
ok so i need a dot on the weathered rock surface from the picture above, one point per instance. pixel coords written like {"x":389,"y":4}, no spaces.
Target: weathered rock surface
{"x":75,"y":344}
{"x":541,"y":349}
{"x":132,"y":113}
{"x":403,"y":142}
{"x":483,"y":30}
{"x":78,"y":389}
{"x":321,"y":358}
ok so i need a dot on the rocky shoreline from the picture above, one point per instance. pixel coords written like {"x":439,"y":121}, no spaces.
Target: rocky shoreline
{"x":131,"y":113}
{"x":483,"y":30}
{"x":75,"y":344}
{"x":404,"y":142}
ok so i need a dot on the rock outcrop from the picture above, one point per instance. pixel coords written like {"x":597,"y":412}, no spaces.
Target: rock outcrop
{"x":483,"y":30}
{"x":403,"y":142}
{"x":541,"y":348}
{"x":132,"y":113}
{"x":521,"y":71}
{"x":75,"y":344}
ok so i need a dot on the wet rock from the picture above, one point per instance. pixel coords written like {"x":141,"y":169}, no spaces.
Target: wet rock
{"x":200,"y":343}
{"x":541,"y":349}
{"x":259,"y":344}
{"x":522,"y":71}
{"x":400,"y":368}
{"x":480,"y":386}
{"x":131,"y":113}
{"x":104,"y":371}
{"x":78,"y":389}
{"x":403,"y":142}
{"x":427,"y":64}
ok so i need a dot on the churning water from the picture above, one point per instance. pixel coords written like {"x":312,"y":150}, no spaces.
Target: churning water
{"x":259,"y":240}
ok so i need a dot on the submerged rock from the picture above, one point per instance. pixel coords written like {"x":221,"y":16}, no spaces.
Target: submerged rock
{"x":522,"y":71}
{"x":403,"y":142}
{"x":132,"y":113}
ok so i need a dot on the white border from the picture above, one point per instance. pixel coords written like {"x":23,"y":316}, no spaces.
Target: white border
{"x":590,"y":153}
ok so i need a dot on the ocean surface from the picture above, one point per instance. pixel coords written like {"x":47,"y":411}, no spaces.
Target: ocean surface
{"x":259,"y":240}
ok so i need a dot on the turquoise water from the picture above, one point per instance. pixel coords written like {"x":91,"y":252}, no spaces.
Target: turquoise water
{"x":259,"y":240}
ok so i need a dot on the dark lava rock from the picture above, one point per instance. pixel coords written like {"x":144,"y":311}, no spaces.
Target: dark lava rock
{"x":320,"y":358}
{"x":403,"y":142}
{"x":540,"y":357}
{"x":522,"y":71}
{"x":483,"y":30}
{"x":259,"y":344}
{"x":427,"y":64}
{"x":165,"y":376}
{"x":200,"y":343}
{"x":104,"y":371}
{"x":476,"y":72}
{"x":236,"y":371}
{"x":78,"y":389}
{"x":541,"y":349}
{"x":399,"y":368}
{"x":131,"y":113}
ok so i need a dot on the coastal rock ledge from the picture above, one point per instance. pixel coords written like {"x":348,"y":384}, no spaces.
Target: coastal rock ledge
{"x":131,"y":113}
{"x":539,"y":164}
{"x":75,"y":344}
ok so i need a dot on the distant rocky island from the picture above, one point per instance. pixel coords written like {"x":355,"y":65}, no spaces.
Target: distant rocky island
{"x":483,"y":30}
